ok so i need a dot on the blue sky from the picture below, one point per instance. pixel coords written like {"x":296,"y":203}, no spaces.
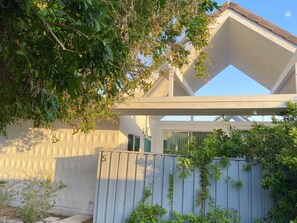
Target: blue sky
{"x":231,"y":81}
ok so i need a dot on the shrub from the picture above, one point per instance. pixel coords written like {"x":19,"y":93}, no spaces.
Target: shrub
{"x":37,"y":195}
{"x":145,"y":213}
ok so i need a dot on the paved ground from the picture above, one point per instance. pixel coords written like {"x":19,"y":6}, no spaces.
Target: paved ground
{"x":72,"y":219}
{"x":8,"y":215}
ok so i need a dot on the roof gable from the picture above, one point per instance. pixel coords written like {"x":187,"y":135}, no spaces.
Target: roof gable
{"x":258,"y":48}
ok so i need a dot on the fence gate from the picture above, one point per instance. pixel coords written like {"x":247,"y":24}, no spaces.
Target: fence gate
{"x":122,"y":178}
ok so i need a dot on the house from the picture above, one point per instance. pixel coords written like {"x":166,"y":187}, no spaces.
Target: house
{"x":261,"y":50}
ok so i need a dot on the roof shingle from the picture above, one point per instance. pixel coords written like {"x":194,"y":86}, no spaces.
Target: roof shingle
{"x":257,"y":19}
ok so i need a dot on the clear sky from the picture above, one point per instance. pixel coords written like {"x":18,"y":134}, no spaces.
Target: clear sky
{"x":231,"y":81}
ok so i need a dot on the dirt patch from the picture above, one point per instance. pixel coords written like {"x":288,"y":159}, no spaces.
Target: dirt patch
{"x":9,"y":213}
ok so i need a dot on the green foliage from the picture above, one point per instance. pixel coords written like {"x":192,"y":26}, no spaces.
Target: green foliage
{"x":145,"y":213}
{"x":235,"y":183}
{"x":247,"y":167}
{"x":214,"y":215}
{"x":224,"y":161}
{"x":70,"y":60}
{"x":37,"y":195}
{"x":170,"y":188}
{"x":219,"y":215}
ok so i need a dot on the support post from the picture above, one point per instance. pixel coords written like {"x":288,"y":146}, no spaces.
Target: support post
{"x":296,"y":77}
{"x":170,"y":81}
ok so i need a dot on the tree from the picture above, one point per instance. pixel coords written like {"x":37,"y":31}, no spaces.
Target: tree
{"x":70,"y":60}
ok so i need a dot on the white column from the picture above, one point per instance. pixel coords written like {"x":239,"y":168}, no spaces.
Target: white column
{"x":296,"y":77}
{"x":170,"y":81}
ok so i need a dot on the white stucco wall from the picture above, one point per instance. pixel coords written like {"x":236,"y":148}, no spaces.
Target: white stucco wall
{"x":136,"y":125}
{"x":27,"y":151}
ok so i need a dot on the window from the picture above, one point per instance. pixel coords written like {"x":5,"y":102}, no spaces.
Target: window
{"x":133,"y":142}
{"x":175,"y":141}
{"x":147,"y":144}
{"x":199,"y":136}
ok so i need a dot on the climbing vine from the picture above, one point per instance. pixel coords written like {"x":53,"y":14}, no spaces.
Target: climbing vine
{"x":170,"y":188}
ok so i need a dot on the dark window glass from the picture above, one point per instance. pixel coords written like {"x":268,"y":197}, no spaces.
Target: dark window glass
{"x":130,"y":142}
{"x":137,"y":143}
{"x":147,"y":145}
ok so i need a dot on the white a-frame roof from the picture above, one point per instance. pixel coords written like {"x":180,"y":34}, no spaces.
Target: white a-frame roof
{"x":260,"y":49}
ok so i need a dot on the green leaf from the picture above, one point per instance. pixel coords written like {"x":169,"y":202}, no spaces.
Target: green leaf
{"x":109,"y":51}
{"x":97,"y":26}
{"x":21,"y":52}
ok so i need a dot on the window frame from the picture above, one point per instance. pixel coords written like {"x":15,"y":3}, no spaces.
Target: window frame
{"x":133,"y":144}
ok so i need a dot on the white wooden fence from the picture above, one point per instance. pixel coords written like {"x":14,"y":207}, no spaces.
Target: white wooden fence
{"x":122,"y":178}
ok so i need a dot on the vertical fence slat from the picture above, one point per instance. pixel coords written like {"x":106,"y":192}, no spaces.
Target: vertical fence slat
{"x":158,"y":180}
{"x":121,"y":188}
{"x":178,"y":189}
{"x":168,"y":162}
{"x":196,"y":186}
{"x":130,"y":184}
{"x":149,"y":176}
{"x":139,"y":178}
{"x":244,"y":193}
{"x":102,"y":193}
{"x":188,"y":194}
{"x":256,"y":193}
{"x":233,"y":186}
{"x":222,"y":190}
{"x":114,"y":166}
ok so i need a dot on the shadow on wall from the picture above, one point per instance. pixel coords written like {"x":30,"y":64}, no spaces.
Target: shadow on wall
{"x":79,"y":173}
{"x":23,"y":137}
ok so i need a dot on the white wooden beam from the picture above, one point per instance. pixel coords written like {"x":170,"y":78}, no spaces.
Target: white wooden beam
{"x":206,"y":105}
{"x":183,"y":82}
{"x":284,"y":75}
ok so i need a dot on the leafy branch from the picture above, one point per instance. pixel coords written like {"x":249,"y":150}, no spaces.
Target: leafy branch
{"x":56,"y":39}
